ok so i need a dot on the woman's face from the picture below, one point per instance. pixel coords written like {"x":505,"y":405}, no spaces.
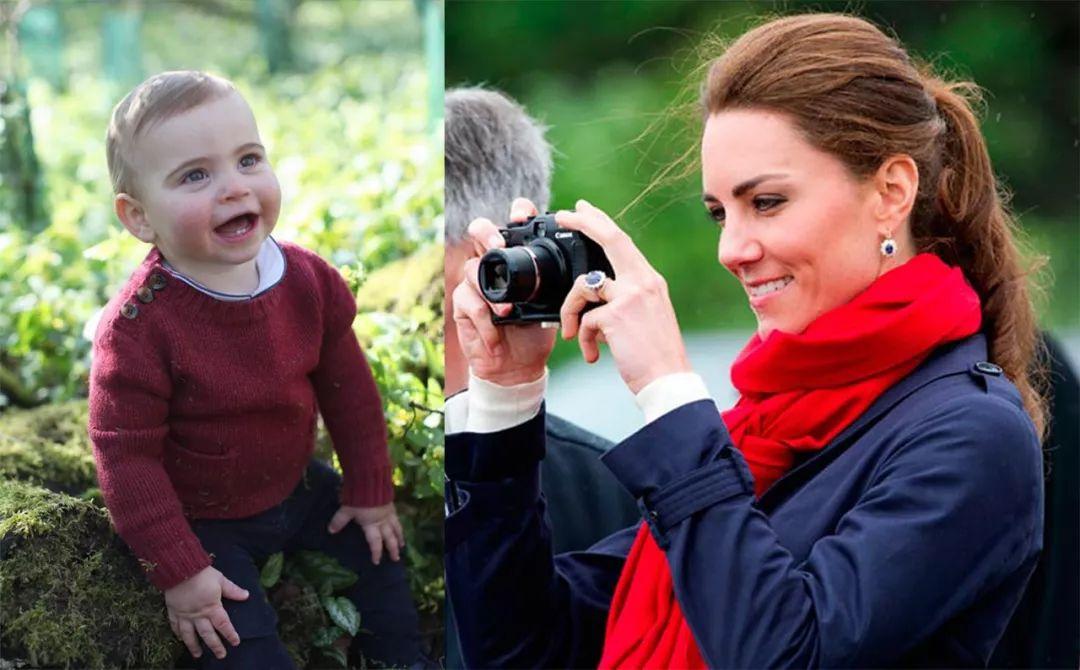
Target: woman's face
{"x":797,"y":229}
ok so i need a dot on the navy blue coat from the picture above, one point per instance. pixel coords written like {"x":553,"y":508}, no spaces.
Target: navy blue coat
{"x":907,"y":541}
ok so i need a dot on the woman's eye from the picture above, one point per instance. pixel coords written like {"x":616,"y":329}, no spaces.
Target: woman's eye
{"x":763,"y":203}
{"x":195,"y":175}
{"x":250,"y":160}
{"x":716,"y":215}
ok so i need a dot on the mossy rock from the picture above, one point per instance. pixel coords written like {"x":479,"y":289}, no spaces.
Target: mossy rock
{"x":73,"y":595}
{"x":48,"y":446}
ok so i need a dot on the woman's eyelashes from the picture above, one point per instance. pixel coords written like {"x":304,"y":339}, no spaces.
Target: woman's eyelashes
{"x":761,"y":204}
{"x":200,"y":174}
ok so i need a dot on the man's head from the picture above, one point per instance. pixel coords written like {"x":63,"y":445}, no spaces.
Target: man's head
{"x":494,"y":153}
{"x":190,"y":172}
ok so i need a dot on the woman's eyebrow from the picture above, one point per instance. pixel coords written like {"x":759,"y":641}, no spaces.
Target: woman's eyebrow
{"x":751,"y":183}
{"x":745,"y":186}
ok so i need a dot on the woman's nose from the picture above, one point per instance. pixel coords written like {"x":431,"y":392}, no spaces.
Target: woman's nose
{"x":738,"y":246}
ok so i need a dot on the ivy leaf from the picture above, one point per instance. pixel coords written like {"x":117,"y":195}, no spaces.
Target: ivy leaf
{"x":271,"y":572}
{"x":343,"y":612}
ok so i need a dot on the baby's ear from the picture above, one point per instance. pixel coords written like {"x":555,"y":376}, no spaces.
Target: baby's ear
{"x":131,"y":213}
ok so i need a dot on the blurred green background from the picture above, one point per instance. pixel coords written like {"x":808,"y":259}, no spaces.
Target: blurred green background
{"x":348,"y":99}
{"x":599,"y":73}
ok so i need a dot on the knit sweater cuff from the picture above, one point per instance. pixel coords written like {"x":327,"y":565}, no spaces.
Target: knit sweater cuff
{"x":176,"y":563}
{"x":368,"y":488}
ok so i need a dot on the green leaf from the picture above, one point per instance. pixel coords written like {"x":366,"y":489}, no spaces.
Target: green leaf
{"x":271,"y":572}
{"x":337,"y":654}
{"x":324,"y":637}
{"x":343,"y":612}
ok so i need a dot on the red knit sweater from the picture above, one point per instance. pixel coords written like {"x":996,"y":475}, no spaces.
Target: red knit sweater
{"x":201,"y":408}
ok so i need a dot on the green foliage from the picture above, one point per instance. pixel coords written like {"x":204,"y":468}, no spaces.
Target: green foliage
{"x":360,"y":183}
{"x":618,"y":68}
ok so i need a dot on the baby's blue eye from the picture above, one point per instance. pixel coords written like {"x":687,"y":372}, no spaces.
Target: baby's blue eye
{"x":250,"y":160}
{"x":189,"y":177}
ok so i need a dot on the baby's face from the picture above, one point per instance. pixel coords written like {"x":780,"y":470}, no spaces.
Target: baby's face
{"x":208,"y":193}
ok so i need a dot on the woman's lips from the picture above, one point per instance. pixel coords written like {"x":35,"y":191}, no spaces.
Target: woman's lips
{"x":762,"y":293}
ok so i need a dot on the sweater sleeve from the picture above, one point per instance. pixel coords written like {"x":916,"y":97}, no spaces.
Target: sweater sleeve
{"x":349,"y":401}
{"x":129,"y":400}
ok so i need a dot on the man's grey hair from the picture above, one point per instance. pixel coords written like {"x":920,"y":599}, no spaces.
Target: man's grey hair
{"x":495,"y":152}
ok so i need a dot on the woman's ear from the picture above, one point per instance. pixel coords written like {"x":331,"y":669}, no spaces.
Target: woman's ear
{"x":896,"y":184}
{"x":132,"y":214}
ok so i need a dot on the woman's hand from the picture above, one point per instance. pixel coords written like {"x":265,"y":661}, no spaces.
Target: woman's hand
{"x":505,"y":355}
{"x":637,"y":322}
{"x":195,"y":610}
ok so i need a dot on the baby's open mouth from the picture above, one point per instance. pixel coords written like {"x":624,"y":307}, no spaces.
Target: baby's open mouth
{"x":237,"y":226}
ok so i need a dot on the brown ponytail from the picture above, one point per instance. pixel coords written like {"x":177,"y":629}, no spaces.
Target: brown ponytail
{"x":855,"y":93}
{"x":972,"y":228}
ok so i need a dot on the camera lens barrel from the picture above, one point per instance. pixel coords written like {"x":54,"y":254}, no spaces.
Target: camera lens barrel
{"x":509,"y":275}
{"x":521,"y":274}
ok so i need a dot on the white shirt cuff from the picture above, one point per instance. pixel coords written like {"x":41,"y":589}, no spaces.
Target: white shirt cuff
{"x":492,"y":407}
{"x":670,"y":392}
{"x":455,"y":412}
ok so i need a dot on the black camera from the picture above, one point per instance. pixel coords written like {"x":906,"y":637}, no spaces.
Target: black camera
{"x":537,"y":268}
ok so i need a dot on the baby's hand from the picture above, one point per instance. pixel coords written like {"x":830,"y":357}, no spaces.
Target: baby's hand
{"x":380,"y":524}
{"x":194,"y":605}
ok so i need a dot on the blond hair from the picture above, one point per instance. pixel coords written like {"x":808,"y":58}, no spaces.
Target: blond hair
{"x":158,"y":98}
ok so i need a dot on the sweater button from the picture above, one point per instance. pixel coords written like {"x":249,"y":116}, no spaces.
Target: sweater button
{"x":129,"y":310}
{"x":157,"y":281}
{"x":988,"y":368}
{"x":145,"y":294}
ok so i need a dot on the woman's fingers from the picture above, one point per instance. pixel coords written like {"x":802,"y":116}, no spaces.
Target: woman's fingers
{"x":579,"y":296}
{"x":521,"y":209}
{"x":187,"y":634}
{"x":472,"y":312}
{"x":485,"y":235}
{"x":588,"y":335}
{"x":598,"y":226}
{"x":210,"y":636}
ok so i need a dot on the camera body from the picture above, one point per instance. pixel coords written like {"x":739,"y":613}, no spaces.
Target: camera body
{"x":537,"y":268}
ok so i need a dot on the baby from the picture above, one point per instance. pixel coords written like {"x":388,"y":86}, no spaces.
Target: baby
{"x":208,"y":369}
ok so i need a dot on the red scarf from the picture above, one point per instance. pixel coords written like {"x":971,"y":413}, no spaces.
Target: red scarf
{"x":798,"y":392}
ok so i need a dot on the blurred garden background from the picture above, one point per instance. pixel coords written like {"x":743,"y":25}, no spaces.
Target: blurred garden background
{"x":604,"y":76}
{"x":348,"y":98}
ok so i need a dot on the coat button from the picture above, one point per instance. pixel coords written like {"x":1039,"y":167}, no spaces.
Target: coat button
{"x":129,"y":310}
{"x":145,"y":294}
{"x":157,"y":281}
{"x":988,"y":368}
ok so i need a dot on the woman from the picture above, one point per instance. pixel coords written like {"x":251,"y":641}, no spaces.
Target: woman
{"x":875,"y":496}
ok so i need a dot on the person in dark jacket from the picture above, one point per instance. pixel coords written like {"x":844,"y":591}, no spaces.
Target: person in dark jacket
{"x":875,"y":496}
{"x":494,"y":152}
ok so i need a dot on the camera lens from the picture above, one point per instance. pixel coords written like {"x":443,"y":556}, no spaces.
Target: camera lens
{"x":509,"y":275}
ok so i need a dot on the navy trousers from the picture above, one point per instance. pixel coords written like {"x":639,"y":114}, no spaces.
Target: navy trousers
{"x":388,"y":619}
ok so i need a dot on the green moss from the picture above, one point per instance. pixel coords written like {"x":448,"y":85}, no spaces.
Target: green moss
{"x":73,"y":596}
{"x":48,"y":446}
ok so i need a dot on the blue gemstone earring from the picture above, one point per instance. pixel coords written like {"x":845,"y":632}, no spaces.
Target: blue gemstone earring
{"x":888,"y":247}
